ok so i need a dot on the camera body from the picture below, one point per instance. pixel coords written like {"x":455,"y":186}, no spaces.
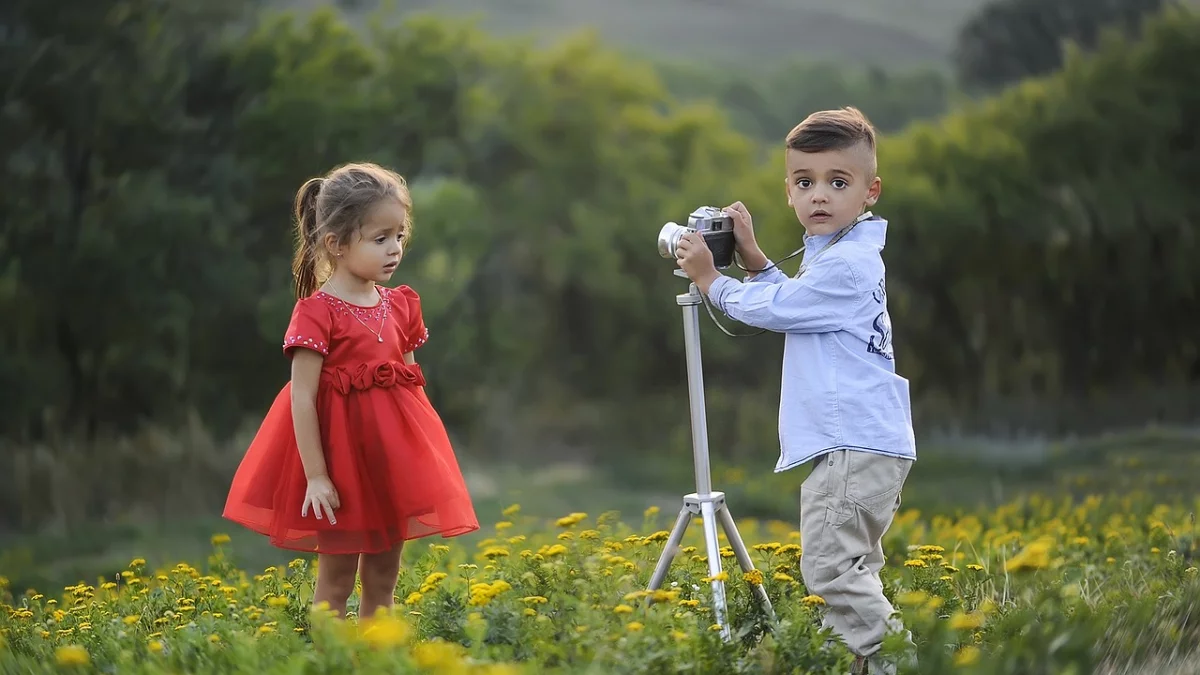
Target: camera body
{"x":713,"y":225}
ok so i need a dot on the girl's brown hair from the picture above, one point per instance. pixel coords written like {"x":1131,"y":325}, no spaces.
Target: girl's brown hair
{"x":336,"y":204}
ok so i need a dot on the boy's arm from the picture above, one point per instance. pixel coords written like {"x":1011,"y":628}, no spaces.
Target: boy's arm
{"x":755,"y":259}
{"x":821,"y":300}
{"x":771,"y":276}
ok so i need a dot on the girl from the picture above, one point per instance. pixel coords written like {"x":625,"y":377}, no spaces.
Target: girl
{"x":351,"y":460}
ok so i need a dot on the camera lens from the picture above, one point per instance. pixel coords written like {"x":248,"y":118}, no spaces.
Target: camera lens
{"x":668,"y":239}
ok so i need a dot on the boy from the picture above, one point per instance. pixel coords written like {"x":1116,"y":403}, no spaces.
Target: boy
{"x":842,"y":406}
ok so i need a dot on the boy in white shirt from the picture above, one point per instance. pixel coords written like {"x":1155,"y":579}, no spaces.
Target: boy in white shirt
{"x":842,"y":408}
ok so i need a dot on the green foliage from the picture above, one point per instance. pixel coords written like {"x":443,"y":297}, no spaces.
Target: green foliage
{"x":765,"y":103}
{"x":1046,"y":239}
{"x":155,"y":148}
{"x":747,"y":33}
{"x":1009,"y":40}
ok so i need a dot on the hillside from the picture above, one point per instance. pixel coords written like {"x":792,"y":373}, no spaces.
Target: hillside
{"x":903,"y":32}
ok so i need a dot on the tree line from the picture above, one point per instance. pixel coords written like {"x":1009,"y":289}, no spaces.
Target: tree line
{"x":1041,"y":254}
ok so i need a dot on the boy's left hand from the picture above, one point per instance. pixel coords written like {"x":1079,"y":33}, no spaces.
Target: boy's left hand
{"x":695,"y":259}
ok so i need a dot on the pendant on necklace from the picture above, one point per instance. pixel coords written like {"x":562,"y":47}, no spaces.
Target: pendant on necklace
{"x":381,"y":338}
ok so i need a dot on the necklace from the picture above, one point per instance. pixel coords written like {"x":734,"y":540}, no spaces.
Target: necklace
{"x":378,"y":334}
{"x":844,"y":231}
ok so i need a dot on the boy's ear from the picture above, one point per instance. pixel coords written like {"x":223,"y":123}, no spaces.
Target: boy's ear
{"x":787,"y":190}
{"x":874,"y":190}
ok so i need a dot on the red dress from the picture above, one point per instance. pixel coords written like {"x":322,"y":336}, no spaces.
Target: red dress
{"x":386,"y":450}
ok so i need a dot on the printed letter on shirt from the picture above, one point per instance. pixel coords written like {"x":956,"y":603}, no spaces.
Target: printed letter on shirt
{"x":881,"y":342}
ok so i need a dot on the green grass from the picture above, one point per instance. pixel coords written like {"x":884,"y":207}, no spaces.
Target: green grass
{"x":948,"y":477}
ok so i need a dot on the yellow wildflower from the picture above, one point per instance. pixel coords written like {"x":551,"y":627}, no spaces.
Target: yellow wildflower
{"x":71,"y":655}
{"x":1034,"y":556}
{"x":437,"y":656}
{"x":571,"y":520}
{"x":961,"y":621}
{"x":967,"y":656}
{"x":385,"y":631}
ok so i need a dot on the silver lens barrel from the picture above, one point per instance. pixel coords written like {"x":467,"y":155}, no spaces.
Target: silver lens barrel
{"x":668,"y":238}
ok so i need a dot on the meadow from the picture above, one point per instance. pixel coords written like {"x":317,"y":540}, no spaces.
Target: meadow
{"x":1080,"y":576}
{"x":558,"y":357}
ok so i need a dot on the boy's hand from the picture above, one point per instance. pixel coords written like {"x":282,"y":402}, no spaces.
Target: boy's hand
{"x":695,"y":259}
{"x":743,"y":237}
{"x":743,"y":226}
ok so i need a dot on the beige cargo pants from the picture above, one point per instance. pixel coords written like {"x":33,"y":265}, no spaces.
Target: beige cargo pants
{"x":846,"y":505}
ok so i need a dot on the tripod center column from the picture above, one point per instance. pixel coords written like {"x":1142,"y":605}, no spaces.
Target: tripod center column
{"x":690,"y":302}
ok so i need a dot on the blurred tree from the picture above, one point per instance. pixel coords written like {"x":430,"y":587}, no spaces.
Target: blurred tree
{"x":765,"y":104}
{"x":1050,"y":235}
{"x":106,"y":144}
{"x":1043,"y":243}
{"x":1008,"y":40}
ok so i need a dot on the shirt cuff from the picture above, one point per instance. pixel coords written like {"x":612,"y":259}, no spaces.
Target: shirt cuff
{"x":719,"y":289}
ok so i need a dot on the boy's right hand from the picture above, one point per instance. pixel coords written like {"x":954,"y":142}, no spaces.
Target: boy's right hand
{"x":321,"y":495}
{"x":743,"y":226}
{"x":743,"y":235}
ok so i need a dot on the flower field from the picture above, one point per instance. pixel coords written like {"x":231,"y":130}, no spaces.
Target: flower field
{"x":1102,"y":584}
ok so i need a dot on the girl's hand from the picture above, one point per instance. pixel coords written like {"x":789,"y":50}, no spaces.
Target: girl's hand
{"x":321,"y":495}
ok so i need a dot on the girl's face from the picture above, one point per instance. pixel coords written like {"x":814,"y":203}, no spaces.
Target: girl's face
{"x":375,"y":250}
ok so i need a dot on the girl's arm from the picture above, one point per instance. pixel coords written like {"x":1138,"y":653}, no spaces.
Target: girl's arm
{"x":306,"y":373}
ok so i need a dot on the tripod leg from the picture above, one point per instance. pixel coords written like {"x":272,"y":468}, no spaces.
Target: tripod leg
{"x":743,"y":556}
{"x":707,"y":511}
{"x":672,"y":547}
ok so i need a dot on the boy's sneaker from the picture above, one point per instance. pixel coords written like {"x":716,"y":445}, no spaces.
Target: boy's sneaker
{"x":864,"y":665}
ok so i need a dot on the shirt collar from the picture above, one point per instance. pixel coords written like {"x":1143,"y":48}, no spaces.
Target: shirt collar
{"x":871,"y":229}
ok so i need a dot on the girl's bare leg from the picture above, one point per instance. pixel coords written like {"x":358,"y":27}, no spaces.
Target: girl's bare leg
{"x":378,"y":572}
{"x":335,"y":581}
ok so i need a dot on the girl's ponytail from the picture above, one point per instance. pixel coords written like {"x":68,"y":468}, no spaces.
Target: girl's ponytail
{"x":304,"y":264}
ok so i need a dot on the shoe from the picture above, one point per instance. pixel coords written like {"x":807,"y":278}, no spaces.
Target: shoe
{"x":864,"y":665}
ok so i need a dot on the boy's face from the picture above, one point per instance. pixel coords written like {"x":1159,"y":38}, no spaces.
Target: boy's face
{"x":829,"y":189}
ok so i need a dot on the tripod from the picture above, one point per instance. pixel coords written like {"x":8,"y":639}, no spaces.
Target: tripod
{"x":704,"y":502}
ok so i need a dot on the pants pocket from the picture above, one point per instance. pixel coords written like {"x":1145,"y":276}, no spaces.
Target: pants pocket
{"x":874,"y":481}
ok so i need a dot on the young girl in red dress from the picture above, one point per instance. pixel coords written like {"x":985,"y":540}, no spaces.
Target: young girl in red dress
{"x":351,"y":460}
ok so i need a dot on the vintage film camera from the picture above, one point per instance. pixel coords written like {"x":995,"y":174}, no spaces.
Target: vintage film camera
{"x":713,"y":225}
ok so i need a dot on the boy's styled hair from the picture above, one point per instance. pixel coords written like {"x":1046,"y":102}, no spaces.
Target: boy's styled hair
{"x":833,"y":130}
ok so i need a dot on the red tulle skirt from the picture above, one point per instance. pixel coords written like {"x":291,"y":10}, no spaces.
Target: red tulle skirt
{"x":388,"y":456}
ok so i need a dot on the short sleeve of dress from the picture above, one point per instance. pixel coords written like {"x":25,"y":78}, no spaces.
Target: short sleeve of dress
{"x":309,"y":327}
{"x":415,"y":332}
